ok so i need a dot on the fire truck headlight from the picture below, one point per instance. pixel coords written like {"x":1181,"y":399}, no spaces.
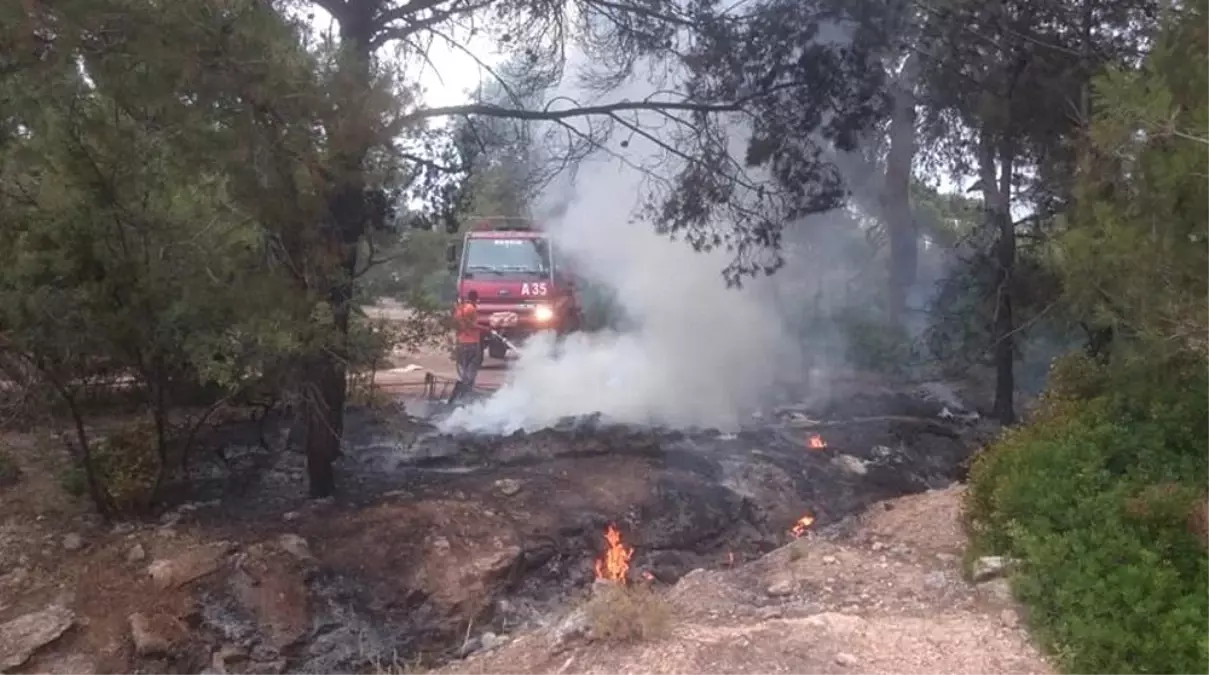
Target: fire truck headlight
{"x":542,"y":313}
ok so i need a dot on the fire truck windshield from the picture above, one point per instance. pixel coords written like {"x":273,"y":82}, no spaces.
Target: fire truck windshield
{"x":498,"y":257}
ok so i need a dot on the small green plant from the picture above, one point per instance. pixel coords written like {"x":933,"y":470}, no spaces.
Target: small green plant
{"x":619,"y":613}
{"x":74,"y":481}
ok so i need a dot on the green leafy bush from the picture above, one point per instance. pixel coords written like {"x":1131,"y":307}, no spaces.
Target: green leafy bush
{"x":1098,"y":499}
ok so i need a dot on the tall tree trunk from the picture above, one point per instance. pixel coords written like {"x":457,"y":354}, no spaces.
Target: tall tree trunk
{"x":896,"y":198}
{"x":997,"y":191}
{"x":325,"y":382}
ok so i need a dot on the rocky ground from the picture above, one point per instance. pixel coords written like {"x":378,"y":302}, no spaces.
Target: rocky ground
{"x":445,"y":547}
{"x":881,"y":593}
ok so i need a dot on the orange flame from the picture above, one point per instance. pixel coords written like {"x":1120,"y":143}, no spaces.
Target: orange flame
{"x":816,"y":442}
{"x":799,"y":528}
{"x":614,"y":563}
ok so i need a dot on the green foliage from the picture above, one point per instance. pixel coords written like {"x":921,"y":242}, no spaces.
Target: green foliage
{"x":127,"y":467}
{"x":873,"y":344}
{"x":74,"y":481}
{"x":142,"y":230}
{"x":1095,"y":498}
{"x":946,"y":218}
{"x":959,"y":332}
{"x":411,"y":270}
{"x":1135,"y":254}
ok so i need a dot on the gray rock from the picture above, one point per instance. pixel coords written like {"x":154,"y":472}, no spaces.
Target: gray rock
{"x":998,"y":590}
{"x":836,"y":622}
{"x":572,"y":627}
{"x":73,"y":542}
{"x":148,"y":639}
{"x":845,"y":659}
{"x":28,"y":633}
{"x":189,"y":565}
{"x":829,"y":560}
{"x":780,"y":588}
{"x":136,"y":554}
{"x":936,"y":580}
{"x":290,"y":516}
{"x":770,"y":613}
{"x":850,"y":464}
{"x":990,"y":567}
{"x":1008,"y":618}
{"x":489,"y":640}
{"x":295,"y":546}
{"x":508,"y":486}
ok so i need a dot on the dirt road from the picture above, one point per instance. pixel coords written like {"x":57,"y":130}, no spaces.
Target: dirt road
{"x":406,"y":375}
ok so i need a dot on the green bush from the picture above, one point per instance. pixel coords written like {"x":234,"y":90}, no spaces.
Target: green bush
{"x":1096,"y":498}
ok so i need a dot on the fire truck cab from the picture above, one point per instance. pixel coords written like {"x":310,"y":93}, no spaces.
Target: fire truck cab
{"x":522,"y":290}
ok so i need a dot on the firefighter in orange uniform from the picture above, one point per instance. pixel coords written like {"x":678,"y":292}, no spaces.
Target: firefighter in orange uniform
{"x":468,"y":354}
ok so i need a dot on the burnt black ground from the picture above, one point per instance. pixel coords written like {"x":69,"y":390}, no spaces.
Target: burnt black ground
{"x":683,"y":499}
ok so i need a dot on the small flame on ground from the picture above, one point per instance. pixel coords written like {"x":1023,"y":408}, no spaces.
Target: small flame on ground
{"x":614,"y":563}
{"x":816,"y":442}
{"x":799,"y":528}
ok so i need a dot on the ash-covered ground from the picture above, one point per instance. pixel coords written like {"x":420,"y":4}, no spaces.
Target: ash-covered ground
{"x":438,"y":538}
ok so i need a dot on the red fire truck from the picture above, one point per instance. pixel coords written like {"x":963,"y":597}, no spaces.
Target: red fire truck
{"x":522,"y":288}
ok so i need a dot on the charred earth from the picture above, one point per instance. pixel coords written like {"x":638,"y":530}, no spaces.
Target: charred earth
{"x":440,"y":542}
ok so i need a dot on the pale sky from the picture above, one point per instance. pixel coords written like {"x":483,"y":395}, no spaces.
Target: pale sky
{"x":456,"y":74}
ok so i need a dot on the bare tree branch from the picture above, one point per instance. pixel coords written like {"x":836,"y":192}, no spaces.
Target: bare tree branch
{"x":413,"y":25}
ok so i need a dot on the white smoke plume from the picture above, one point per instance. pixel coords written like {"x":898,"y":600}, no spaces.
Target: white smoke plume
{"x":699,"y":355}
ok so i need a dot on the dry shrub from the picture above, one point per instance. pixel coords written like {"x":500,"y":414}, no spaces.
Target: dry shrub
{"x":127,"y":467}
{"x":1198,"y":521}
{"x":1161,"y":500}
{"x":396,"y":666}
{"x":627,"y":613}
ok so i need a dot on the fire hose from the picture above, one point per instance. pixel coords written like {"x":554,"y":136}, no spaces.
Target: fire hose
{"x":507,"y":343}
